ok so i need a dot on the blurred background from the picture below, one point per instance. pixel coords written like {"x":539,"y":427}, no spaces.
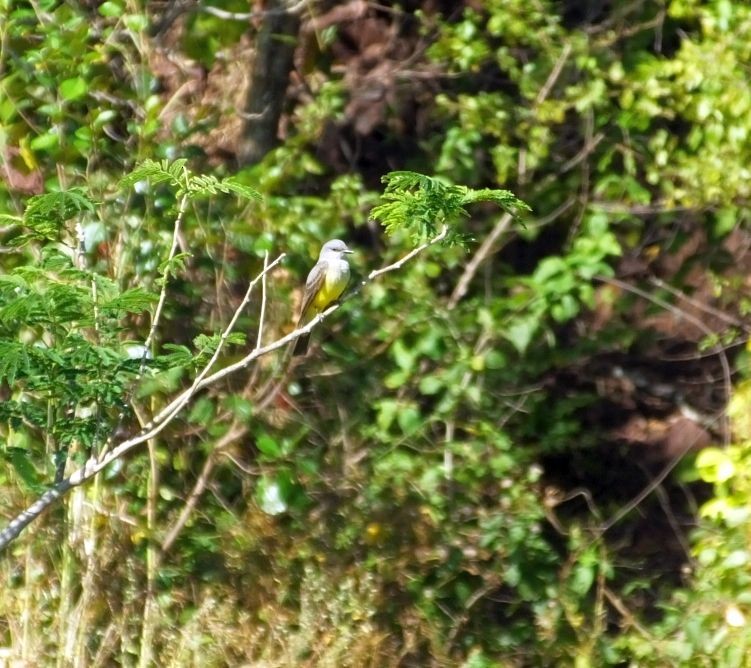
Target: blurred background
{"x":529,"y":449}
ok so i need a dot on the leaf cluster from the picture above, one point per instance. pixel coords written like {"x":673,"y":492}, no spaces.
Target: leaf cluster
{"x":179,"y":176}
{"x":421,"y":204}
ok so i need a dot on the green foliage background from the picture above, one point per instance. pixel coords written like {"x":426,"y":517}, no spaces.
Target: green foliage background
{"x":432,"y":486}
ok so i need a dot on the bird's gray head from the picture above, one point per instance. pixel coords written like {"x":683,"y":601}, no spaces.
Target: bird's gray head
{"x":335,"y":247}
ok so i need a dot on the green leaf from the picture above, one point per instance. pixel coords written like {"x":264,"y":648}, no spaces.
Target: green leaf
{"x":268,"y":446}
{"x":404,"y":357}
{"x":73,"y":89}
{"x":110,"y":9}
{"x":431,"y":385}
{"x":13,"y":358}
{"x":202,"y":411}
{"x":174,"y":265}
{"x":8,"y":219}
{"x":714,"y":465}
{"x":45,"y":142}
{"x":583,"y":578}
{"x":271,"y":495}
{"x":135,"y":300}
{"x":504,"y":198}
{"x":46,"y":214}
{"x":158,"y":172}
{"x":230,"y":184}
{"x":178,"y":356}
{"x":420,"y":204}
{"x":137,"y":22}
{"x":386,"y":412}
{"x":521,"y":331}
{"x":206,"y":184}
{"x":409,"y":418}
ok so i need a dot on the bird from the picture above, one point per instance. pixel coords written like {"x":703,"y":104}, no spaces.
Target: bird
{"x":324,"y":285}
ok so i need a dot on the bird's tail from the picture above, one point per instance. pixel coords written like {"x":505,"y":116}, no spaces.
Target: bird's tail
{"x":301,"y":345}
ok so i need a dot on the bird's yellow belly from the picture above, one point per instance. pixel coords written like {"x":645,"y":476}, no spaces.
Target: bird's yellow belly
{"x":330,"y":291}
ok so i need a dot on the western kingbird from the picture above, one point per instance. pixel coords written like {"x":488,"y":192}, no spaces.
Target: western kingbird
{"x":324,"y":285}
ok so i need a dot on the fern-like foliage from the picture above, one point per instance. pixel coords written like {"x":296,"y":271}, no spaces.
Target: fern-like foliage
{"x":155,"y":172}
{"x":202,"y":185}
{"x":14,"y":358}
{"x":8,"y":219}
{"x":206,"y":345}
{"x":180,"y":177}
{"x":422,"y":204}
{"x":46,"y":214}
{"x":135,"y":300}
{"x":65,"y":370}
{"x":172,"y":266}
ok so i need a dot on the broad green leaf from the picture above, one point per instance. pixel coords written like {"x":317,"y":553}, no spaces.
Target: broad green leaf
{"x":268,"y":446}
{"x":73,"y":89}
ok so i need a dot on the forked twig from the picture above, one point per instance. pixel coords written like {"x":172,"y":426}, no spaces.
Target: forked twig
{"x":177,"y":405}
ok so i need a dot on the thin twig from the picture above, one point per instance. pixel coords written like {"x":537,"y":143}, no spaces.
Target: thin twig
{"x":247,"y":16}
{"x":725,"y":317}
{"x":262,"y":316}
{"x":647,"y":491}
{"x":183,"y":207}
{"x":664,"y":501}
{"x":542,"y":221}
{"x":618,"y":604}
{"x":485,"y":249}
{"x":554,"y":74}
{"x":588,"y":147}
{"x":233,"y":433}
{"x":198,"y":381}
{"x":399,"y":263}
{"x":552,"y":500}
{"x":637,"y":209}
{"x":146,"y":649}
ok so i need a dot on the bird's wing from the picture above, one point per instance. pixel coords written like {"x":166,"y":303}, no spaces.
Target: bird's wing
{"x":313,"y":285}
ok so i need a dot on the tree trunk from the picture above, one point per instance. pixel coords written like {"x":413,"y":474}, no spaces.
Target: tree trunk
{"x":275,"y":49}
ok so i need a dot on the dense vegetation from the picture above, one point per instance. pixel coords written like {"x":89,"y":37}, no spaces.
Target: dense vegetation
{"x":526,"y":444}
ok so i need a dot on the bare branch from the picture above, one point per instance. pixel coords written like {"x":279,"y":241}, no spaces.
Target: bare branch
{"x":262,"y":316}
{"x":176,"y":406}
{"x":554,"y":74}
{"x":231,"y":436}
{"x":644,"y":493}
{"x":399,"y":263}
{"x":158,"y":423}
{"x":486,"y":248}
{"x":95,"y":463}
{"x":247,"y":16}
{"x":726,"y":317}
